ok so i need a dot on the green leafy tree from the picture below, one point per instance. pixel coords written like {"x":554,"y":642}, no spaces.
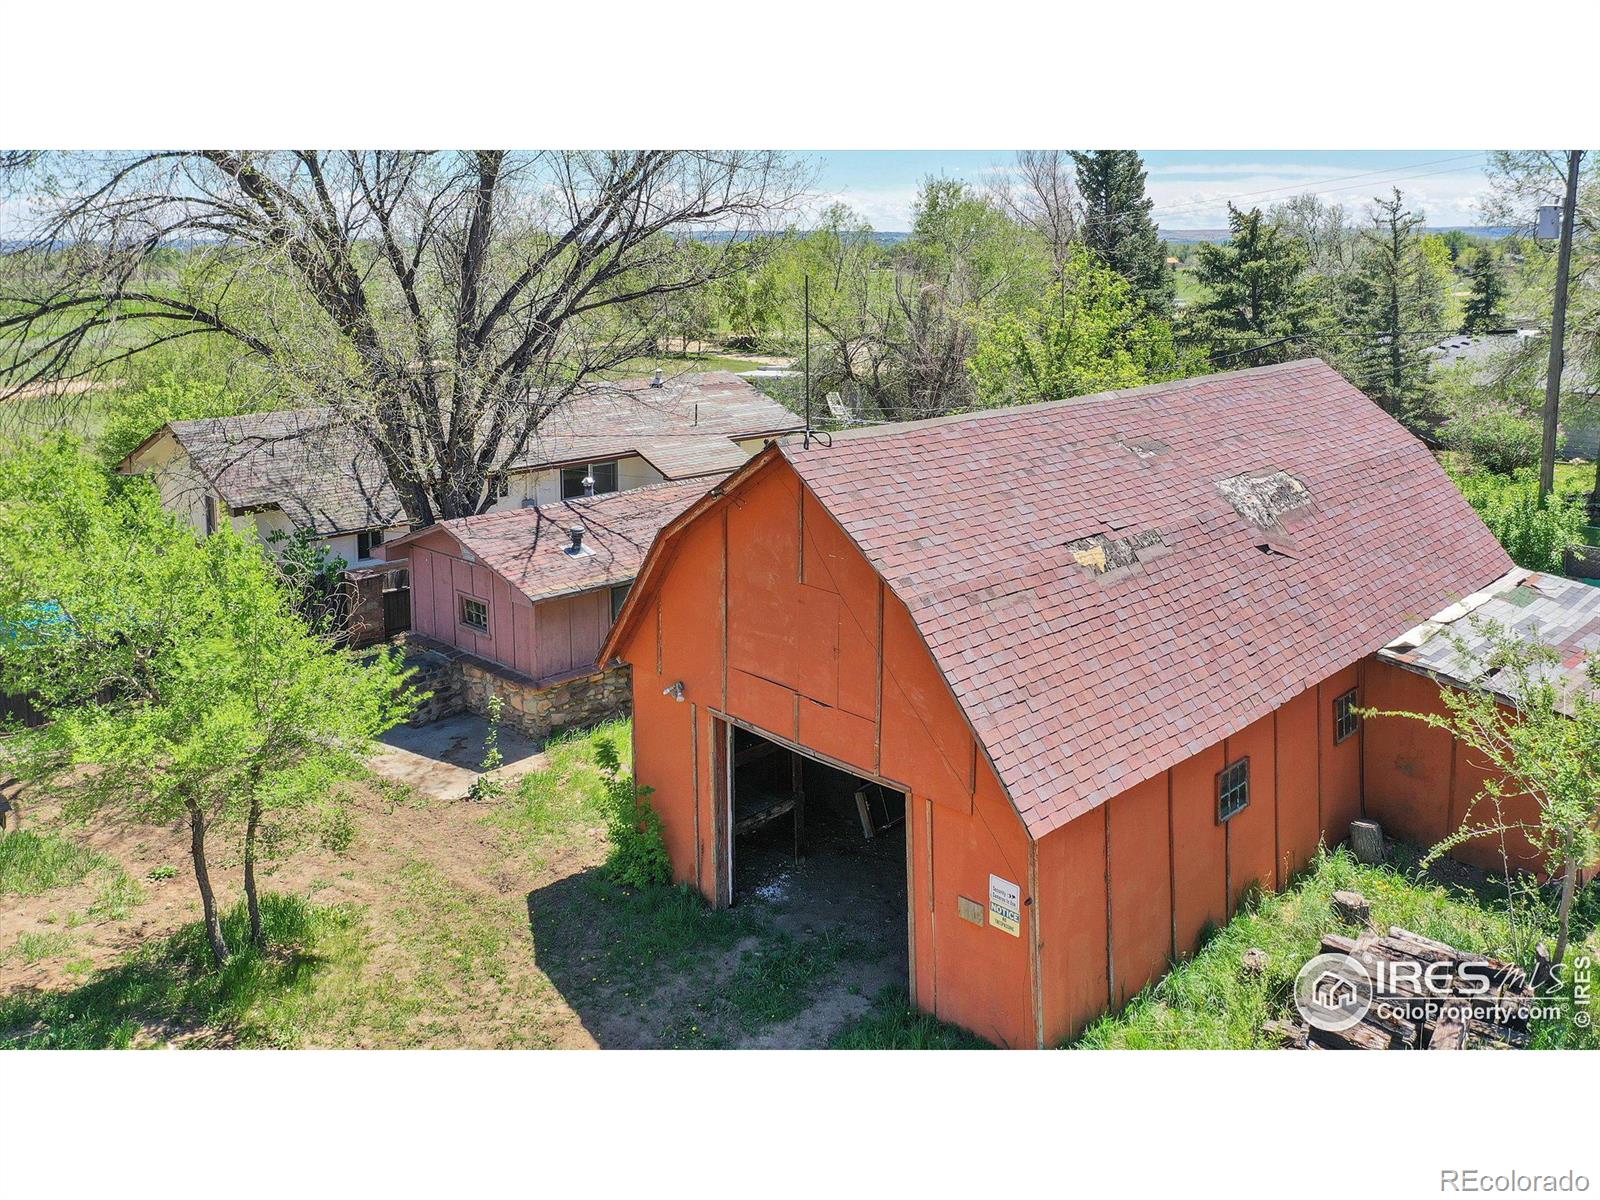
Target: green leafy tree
{"x":1534,"y":531}
{"x":1089,"y":332}
{"x":1117,"y":225}
{"x":1396,"y":313}
{"x":1260,"y":304}
{"x":1539,"y":739}
{"x":178,"y":682}
{"x":1485,"y":306}
{"x":134,"y":414}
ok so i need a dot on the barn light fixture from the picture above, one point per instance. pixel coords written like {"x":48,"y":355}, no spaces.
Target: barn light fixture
{"x":675,"y":691}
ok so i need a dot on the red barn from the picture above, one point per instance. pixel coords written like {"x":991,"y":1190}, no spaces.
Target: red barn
{"x":1099,"y":655}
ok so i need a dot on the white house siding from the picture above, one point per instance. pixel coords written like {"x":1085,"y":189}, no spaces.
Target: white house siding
{"x":183,"y":489}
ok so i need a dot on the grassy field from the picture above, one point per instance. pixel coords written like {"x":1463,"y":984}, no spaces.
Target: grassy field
{"x":1210,"y":1002}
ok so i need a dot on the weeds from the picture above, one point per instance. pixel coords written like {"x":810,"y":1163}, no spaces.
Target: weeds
{"x":34,"y":947}
{"x":1210,"y":1002}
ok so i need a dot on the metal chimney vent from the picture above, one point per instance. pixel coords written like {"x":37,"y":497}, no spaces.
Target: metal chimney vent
{"x":576,"y":548}
{"x":588,"y":485}
{"x":656,"y":380}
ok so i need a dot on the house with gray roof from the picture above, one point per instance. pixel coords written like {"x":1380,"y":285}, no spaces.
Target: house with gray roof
{"x":305,"y":471}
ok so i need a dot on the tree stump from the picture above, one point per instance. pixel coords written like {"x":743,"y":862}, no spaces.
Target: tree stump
{"x":1352,"y":908}
{"x":1366,"y":842}
{"x":1254,"y":961}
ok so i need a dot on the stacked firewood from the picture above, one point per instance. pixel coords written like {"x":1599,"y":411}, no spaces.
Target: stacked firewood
{"x":1488,"y":1005}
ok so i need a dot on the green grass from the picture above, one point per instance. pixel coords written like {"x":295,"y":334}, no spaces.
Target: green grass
{"x":32,"y":863}
{"x":561,"y":803}
{"x":34,"y":947}
{"x":778,"y":979}
{"x":892,"y":1024}
{"x":171,"y":988}
{"x":1210,"y":1002}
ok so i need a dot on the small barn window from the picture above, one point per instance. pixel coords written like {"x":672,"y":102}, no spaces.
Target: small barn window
{"x":1346,"y":720}
{"x":475,"y":614}
{"x":367,"y":541}
{"x":619,"y":596}
{"x":1233,"y":789}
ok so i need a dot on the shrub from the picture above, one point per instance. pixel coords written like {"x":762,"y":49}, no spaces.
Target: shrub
{"x":638,"y":855}
{"x":338,"y":829}
{"x":1534,"y":532}
{"x":1496,"y":437}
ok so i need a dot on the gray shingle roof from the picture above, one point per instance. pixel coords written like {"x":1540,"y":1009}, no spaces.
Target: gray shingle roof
{"x":327,"y":480}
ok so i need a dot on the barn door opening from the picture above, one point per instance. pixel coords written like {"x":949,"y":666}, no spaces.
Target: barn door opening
{"x":822,"y":847}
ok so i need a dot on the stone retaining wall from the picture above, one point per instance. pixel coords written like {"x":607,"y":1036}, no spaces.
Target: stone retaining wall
{"x":461,"y":682}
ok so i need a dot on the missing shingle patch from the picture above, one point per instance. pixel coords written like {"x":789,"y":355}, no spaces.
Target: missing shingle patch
{"x":1101,"y":555}
{"x":1145,"y":448}
{"x":1263,"y":498}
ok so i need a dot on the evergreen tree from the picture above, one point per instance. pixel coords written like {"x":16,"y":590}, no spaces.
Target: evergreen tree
{"x":1488,"y":294}
{"x":1259,"y":293}
{"x":1117,"y":225}
{"x":1397,"y":306}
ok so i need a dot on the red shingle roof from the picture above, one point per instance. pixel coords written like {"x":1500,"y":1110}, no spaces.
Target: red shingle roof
{"x":528,"y":546}
{"x":1081,"y":683}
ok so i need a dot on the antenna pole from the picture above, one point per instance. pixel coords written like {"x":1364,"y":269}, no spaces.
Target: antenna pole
{"x":805,"y":440}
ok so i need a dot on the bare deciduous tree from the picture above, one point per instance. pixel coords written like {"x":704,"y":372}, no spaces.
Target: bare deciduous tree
{"x":442,"y":303}
{"x":1040,"y":196}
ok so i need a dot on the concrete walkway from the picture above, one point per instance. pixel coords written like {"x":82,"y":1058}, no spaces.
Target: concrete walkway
{"x":441,"y":759}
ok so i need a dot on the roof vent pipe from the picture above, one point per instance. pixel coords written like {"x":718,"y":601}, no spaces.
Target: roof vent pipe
{"x":575,"y":532}
{"x":588,"y":484}
{"x":656,"y":380}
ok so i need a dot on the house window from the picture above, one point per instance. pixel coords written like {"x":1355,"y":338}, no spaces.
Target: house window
{"x":475,"y":614}
{"x":1346,"y":720}
{"x":1233,"y":789}
{"x":211,"y":515}
{"x":619,"y":596}
{"x":499,"y":486}
{"x":604,"y":475}
{"x":367,"y":541}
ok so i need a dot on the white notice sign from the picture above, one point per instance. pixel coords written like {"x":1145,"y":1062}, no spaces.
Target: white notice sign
{"x":1005,"y":905}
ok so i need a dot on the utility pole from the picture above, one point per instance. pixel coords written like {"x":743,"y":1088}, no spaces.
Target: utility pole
{"x":805,"y":441}
{"x":1558,"y":331}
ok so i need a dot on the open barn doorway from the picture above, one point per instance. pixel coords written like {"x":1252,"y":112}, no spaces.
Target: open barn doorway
{"x":821,"y":846}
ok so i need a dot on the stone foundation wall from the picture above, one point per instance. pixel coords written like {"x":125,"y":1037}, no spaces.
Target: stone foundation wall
{"x":462,"y":683}
{"x":538,"y":712}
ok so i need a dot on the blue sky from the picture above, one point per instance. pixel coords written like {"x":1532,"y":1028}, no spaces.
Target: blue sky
{"x":1190,"y":187}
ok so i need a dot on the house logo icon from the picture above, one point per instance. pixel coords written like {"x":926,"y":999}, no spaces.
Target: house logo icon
{"x":1333,"y":992}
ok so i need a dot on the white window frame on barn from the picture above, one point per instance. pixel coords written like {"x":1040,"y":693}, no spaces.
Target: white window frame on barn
{"x":1233,"y":789}
{"x":463,"y":611}
{"x":1346,"y":721}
